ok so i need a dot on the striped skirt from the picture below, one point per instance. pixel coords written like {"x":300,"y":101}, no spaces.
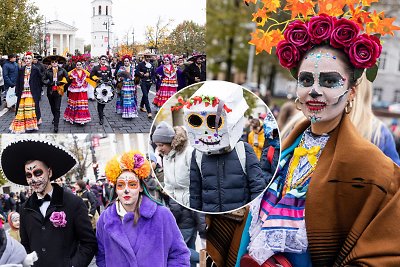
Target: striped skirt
{"x":77,"y":110}
{"x":25,"y":120}
{"x":163,"y":94}
{"x":127,"y":101}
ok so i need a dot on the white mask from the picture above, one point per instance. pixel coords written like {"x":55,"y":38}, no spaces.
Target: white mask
{"x":200,"y":119}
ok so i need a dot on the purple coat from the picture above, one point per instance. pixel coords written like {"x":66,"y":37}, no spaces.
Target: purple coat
{"x":154,"y":241}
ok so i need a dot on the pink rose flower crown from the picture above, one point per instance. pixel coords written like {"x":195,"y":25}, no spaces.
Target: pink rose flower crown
{"x":356,"y":32}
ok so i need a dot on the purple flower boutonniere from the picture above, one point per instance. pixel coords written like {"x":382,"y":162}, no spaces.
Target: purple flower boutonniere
{"x":58,"y":219}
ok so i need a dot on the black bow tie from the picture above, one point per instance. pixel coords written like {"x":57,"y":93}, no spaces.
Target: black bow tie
{"x":39,"y":202}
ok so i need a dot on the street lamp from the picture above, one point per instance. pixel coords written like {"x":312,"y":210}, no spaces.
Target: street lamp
{"x":107,"y":24}
{"x":133,"y":41}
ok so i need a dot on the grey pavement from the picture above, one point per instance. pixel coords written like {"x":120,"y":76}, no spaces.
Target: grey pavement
{"x":113,"y":122}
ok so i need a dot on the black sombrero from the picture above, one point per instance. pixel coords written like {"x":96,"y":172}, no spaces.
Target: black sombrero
{"x":16,"y":154}
{"x":61,"y":60}
{"x":194,"y":57}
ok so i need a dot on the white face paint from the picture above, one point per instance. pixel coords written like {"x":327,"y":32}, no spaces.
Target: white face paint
{"x":128,"y":189}
{"x":323,"y":86}
{"x":28,"y":60}
{"x":37,"y":175}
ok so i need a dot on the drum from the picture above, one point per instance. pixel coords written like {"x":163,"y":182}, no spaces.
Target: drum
{"x":104,"y":92}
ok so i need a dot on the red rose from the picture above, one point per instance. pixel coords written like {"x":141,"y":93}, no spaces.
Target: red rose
{"x":320,"y":28}
{"x":297,"y":34}
{"x":288,"y":54}
{"x":343,"y":33}
{"x":364,"y":51}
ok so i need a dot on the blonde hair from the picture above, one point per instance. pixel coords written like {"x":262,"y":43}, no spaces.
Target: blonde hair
{"x":367,"y":124}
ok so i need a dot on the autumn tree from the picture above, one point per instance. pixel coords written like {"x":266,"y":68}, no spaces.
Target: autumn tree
{"x":157,"y":36}
{"x":17,"y":18}
{"x":187,"y":37}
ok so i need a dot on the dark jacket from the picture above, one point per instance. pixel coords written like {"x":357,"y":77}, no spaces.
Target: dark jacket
{"x":186,"y":218}
{"x":48,"y":78}
{"x":90,"y":201}
{"x":104,"y":75}
{"x":10,"y":74}
{"x":35,"y":83}
{"x":268,"y":167}
{"x":141,"y":67}
{"x":224,"y":186}
{"x":192,"y":71}
{"x":72,"y":245}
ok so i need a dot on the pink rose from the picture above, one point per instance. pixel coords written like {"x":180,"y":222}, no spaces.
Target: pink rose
{"x":364,"y":51}
{"x":344,"y":32}
{"x":288,"y":54}
{"x":58,"y":219}
{"x":139,"y":160}
{"x":320,"y":28}
{"x":297,"y":34}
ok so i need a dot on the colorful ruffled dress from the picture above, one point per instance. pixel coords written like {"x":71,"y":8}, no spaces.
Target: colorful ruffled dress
{"x":25,"y":120}
{"x":277,"y":223}
{"x":127,"y":100}
{"x":77,"y":110}
{"x":169,"y":84}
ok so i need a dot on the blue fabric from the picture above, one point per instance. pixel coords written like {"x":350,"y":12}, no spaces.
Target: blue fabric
{"x":10,"y":74}
{"x":387,"y":144}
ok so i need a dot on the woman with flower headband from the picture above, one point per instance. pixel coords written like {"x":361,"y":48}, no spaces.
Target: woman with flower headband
{"x":167,"y":78}
{"x":334,"y":200}
{"x":77,"y":110}
{"x":127,"y":99}
{"x":136,"y":231}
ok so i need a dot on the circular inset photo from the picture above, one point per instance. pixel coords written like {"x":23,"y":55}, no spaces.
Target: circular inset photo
{"x":217,"y":146}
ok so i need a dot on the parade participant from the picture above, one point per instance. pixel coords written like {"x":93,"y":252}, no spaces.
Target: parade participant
{"x":225,"y":173}
{"x":89,"y":199}
{"x":10,"y":72}
{"x":101,"y":73}
{"x":145,"y":71}
{"x":127,"y":100}
{"x":168,"y":81}
{"x":135,"y":231}
{"x":173,"y":144}
{"x":55,"y":78}
{"x":335,"y":194}
{"x":77,"y":110}
{"x":28,"y":90}
{"x":256,"y":136}
{"x":54,"y":222}
{"x":196,"y":71}
{"x":180,"y":65}
{"x":91,"y":84}
{"x":13,"y":222}
{"x":271,"y":149}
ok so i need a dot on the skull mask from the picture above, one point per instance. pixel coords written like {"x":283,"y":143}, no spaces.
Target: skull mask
{"x":215,"y":118}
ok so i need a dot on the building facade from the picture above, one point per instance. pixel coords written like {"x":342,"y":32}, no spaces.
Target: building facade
{"x":60,"y":38}
{"x":102,"y":34}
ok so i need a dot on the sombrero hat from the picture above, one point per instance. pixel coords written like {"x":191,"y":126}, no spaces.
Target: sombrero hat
{"x":47,"y":60}
{"x":17,"y":153}
{"x":195,"y":56}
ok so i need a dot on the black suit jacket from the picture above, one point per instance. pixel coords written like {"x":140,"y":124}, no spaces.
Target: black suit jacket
{"x":48,"y":78}
{"x":72,"y":245}
{"x":192,"y":71}
{"x":103,"y":75}
{"x":35,"y":83}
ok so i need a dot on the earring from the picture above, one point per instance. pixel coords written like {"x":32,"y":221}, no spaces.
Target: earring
{"x":348,"y":107}
{"x":296,"y":101}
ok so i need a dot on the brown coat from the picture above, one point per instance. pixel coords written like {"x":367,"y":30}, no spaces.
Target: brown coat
{"x":353,"y":202}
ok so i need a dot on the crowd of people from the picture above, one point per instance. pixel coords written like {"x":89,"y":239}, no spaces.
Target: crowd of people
{"x":83,"y":78}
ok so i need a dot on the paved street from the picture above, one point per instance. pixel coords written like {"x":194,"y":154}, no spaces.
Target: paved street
{"x":113,"y":122}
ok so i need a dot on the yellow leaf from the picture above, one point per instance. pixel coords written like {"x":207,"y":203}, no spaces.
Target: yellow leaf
{"x":300,"y":7}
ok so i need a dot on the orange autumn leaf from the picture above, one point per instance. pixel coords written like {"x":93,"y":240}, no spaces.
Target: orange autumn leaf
{"x":359,"y":16}
{"x":260,"y":17}
{"x":368,"y":2}
{"x":380,"y":24}
{"x":351,"y":3}
{"x":271,"y":5}
{"x":331,"y":8}
{"x":373,"y":24}
{"x":265,"y":41}
{"x":297,"y":7}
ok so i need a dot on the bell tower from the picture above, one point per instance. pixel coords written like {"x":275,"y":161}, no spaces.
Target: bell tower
{"x":102,"y":34}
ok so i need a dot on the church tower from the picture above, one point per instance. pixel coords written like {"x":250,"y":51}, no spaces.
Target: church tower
{"x":102,"y":34}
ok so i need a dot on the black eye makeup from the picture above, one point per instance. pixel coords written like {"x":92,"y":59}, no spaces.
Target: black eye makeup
{"x":36,"y":173}
{"x":331,"y":80}
{"x":306,"y":79}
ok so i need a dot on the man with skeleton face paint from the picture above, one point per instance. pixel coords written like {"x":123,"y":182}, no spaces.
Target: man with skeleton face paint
{"x":225,"y":173}
{"x":51,"y":219}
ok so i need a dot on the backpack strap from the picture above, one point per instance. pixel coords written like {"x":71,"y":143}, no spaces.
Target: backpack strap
{"x":270,"y":154}
{"x":241,"y":152}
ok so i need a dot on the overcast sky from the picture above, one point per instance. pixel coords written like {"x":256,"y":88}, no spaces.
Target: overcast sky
{"x":127,"y":14}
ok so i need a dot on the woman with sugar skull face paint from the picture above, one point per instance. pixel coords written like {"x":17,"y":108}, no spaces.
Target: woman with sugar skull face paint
{"x":329,"y":204}
{"x":136,"y":231}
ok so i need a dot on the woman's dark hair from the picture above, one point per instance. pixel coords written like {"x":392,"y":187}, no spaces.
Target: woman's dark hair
{"x":350,"y":69}
{"x":81,"y":184}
